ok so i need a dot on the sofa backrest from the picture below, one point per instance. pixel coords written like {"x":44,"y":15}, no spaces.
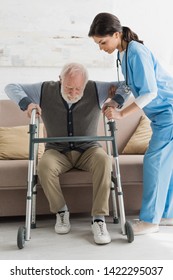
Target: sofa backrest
{"x":11,"y":115}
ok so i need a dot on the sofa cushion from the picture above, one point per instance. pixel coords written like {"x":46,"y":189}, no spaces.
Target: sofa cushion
{"x":13,"y":173}
{"x":139,"y":141}
{"x":14,"y":142}
{"x":131,"y":169}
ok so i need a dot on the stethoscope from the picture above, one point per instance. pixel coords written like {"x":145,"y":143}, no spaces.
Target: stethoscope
{"x":118,"y":63}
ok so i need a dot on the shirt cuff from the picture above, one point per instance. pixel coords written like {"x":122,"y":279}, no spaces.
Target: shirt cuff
{"x":145,"y":99}
{"x":24,"y":102}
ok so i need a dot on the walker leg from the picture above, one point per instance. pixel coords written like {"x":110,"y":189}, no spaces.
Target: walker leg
{"x":113,"y":194}
{"x":24,"y":232}
{"x":33,"y":210}
{"x":29,"y":201}
{"x":35,"y":180}
{"x":114,"y":205}
{"x":125,"y":226}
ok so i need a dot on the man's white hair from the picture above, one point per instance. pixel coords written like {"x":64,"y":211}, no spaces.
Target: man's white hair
{"x":74,"y":68}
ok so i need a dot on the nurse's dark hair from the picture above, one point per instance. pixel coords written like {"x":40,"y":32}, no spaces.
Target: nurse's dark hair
{"x":107,"y":24}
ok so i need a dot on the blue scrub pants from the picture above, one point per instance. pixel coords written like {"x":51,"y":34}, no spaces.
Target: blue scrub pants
{"x":157,"y":201}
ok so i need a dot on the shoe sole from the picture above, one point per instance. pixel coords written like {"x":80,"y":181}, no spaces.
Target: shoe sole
{"x":102,"y":243}
{"x":62,"y":232}
{"x":146,"y":232}
{"x":165,"y":224}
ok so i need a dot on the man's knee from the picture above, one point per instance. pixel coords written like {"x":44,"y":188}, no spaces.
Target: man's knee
{"x":45,"y":167}
{"x":102,"y":159}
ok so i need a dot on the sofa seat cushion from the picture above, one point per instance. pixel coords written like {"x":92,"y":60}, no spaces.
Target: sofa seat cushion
{"x":131,"y":168}
{"x":13,"y":173}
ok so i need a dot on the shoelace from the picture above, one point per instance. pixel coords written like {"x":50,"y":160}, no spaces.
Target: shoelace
{"x":62,"y":217}
{"x":100,"y":229}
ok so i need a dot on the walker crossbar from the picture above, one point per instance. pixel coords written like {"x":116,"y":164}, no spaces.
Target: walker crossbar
{"x":73,"y":139}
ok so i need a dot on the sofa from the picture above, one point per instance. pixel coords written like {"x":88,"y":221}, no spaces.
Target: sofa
{"x":76,"y":185}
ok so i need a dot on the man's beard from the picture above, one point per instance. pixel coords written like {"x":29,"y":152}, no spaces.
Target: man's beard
{"x":68,"y":99}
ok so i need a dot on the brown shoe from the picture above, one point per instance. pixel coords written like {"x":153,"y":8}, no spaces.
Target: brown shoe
{"x":141,"y":227}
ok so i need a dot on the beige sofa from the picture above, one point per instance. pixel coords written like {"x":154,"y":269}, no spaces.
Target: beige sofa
{"x":76,"y":185}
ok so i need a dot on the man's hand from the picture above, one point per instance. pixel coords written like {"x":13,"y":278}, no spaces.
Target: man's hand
{"x":32,"y":106}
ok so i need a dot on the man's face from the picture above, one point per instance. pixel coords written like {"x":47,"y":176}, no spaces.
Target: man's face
{"x":72,"y":88}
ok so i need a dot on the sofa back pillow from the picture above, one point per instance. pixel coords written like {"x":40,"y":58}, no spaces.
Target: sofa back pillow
{"x":14,"y":142}
{"x":138,"y":143}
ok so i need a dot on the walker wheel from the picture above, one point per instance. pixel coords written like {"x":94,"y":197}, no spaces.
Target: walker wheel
{"x":129,"y":232}
{"x":21,"y":237}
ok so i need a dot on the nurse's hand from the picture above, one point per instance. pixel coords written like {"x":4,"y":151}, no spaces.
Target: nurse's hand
{"x":112,"y":113}
{"x":110,"y":103}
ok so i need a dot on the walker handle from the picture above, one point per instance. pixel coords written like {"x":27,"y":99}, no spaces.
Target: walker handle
{"x":33,"y":116}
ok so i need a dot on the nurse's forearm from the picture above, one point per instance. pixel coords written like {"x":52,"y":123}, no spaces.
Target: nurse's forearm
{"x":132,"y":108}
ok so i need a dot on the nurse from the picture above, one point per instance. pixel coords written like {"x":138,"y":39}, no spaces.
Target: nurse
{"x":152,"y":88}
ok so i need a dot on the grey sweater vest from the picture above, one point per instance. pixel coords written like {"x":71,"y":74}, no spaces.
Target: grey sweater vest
{"x":81,"y":119}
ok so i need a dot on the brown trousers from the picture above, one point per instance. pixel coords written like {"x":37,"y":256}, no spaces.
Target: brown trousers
{"x":94,"y":160}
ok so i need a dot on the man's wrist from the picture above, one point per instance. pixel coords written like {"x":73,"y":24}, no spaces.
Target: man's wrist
{"x":24,"y":103}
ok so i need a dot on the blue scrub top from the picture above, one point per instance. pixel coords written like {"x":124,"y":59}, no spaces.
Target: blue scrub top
{"x":146,"y":75}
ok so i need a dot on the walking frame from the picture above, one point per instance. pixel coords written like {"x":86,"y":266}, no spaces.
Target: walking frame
{"x":24,"y":232}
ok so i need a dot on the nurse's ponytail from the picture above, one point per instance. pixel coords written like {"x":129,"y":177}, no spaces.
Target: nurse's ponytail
{"x":129,"y":35}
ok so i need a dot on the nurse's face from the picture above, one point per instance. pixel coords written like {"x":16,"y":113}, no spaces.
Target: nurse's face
{"x":109,"y":43}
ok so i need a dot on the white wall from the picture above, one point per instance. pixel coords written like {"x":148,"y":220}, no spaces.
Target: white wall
{"x":36,"y":36}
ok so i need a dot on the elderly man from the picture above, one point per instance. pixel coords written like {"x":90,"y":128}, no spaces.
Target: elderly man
{"x":70,"y":107}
